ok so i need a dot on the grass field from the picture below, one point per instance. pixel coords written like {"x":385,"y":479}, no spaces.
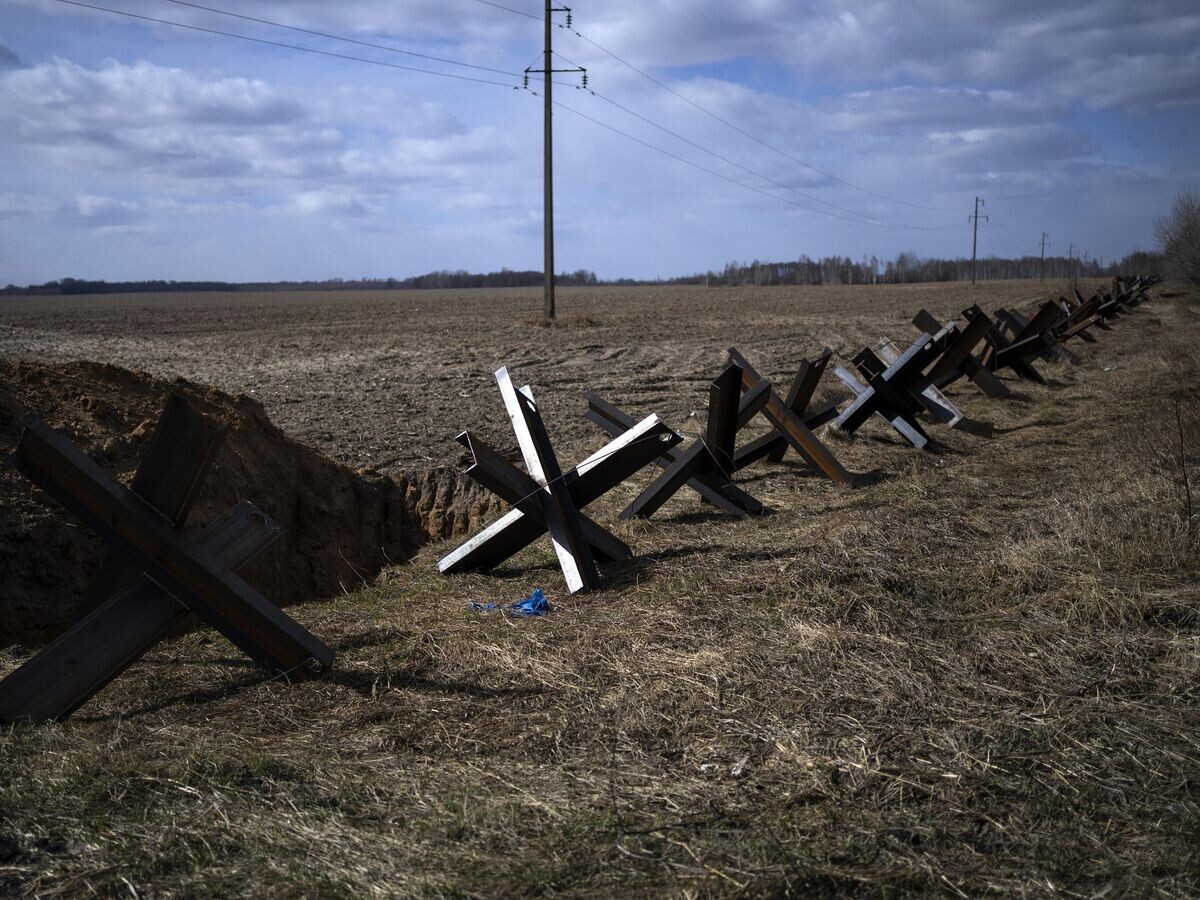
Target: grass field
{"x":978,"y":674}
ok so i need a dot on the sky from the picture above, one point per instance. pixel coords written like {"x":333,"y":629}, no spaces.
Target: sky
{"x":709,"y":132}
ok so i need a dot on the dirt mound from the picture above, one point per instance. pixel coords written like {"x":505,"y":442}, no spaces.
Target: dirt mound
{"x":340,"y":527}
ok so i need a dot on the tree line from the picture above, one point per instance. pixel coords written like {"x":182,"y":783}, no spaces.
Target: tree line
{"x":505,"y":278}
{"x":907,"y":268}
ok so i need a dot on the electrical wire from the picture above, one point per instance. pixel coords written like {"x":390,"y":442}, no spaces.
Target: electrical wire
{"x":1004,"y":237}
{"x":787,"y":187}
{"x":569,"y":62}
{"x":734,"y":181}
{"x":347,"y":40}
{"x":1016,"y":241}
{"x":509,"y":9}
{"x":722,"y":119}
{"x":750,"y":135}
{"x":856,"y":218}
{"x":269,"y":43}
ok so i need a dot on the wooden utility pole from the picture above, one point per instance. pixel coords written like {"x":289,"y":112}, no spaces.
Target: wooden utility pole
{"x":548,"y":174}
{"x":548,"y":151}
{"x":1042,"y":267}
{"x":975,"y":239}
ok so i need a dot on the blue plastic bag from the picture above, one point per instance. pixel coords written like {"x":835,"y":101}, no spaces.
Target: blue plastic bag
{"x":533,"y":605}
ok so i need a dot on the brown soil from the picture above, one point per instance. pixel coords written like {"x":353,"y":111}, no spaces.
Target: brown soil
{"x":976,"y":675}
{"x":387,"y":379}
{"x":340,"y":527}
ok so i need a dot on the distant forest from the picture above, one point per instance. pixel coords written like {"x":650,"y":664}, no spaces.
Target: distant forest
{"x":907,"y":268}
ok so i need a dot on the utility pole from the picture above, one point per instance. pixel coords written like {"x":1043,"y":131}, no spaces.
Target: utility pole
{"x":548,"y":150}
{"x":1071,"y":260}
{"x":975,"y":239}
{"x":1042,"y":268}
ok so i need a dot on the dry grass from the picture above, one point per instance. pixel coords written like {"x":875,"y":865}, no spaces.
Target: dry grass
{"x":977,"y":676}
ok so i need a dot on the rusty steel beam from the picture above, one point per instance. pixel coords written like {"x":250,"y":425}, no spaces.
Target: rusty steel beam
{"x":997,"y":342}
{"x":710,"y":459}
{"x":179,"y":455}
{"x":192,"y":574}
{"x":636,"y":447}
{"x":513,"y":486}
{"x":562,"y":518}
{"x":82,"y":660}
{"x":792,"y":428}
{"x":718,"y":491}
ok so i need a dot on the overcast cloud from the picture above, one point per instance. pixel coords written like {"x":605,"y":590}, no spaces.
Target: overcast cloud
{"x":135,"y":150}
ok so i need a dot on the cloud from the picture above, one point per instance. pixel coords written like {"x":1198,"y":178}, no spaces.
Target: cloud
{"x":15,"y":205}
{"x":919,"y":109}
{"x":233,"y":134}
{"x":1105,"y":53}
{"x":91,"y":211}
{"x":8,"y":59}
{"x":930,"y":101}
{"x":336,"y":203}
{"x":1016,"y":148}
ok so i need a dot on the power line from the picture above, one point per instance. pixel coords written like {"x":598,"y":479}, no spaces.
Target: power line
{"x":336,"y":37}
{"x":787,"y":187}
{"x":999,"y":236}
{"x":725,"y":121}
{"x":246,"y":37}
{"x":1012,"y":237}
{"x":751,"y":136}
{"x":509,"y":9}
{"x":569,"y":62}
{"x":713,"y":172}
{"x":861,"y":220}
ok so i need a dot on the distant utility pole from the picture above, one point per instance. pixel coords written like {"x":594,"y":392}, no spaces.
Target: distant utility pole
{"x":1071,"y":260}
{"x":548,"y":168}
{"x":1042,"y":268}
{"x":975,"y":239}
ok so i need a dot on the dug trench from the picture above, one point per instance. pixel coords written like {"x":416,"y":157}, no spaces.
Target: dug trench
{"x":340,"y":526}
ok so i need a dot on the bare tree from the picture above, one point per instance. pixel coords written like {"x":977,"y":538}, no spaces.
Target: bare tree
{"x":1178,"y":234}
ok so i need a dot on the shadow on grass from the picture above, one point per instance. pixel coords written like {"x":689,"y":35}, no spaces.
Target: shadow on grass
{"x":369,"y":684}
{"x":867,"y":479}
{"x":1040,"y":423}
{"x":631,"y":571}
{"x":362,"y":681}
{"x":976,"y":428}
{"x":708,"y":515}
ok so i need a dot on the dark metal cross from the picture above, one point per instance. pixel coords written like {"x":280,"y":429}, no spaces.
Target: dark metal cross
{"x":1002,"y":353}
{"x":707,"y":464}
{"x":153,"y":576}
{"x":1045,"y":325}
{"x":548,"y":499}
{"x":792,"y":422}
{"x":959,"y":360}
{"x":898,"y":389}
